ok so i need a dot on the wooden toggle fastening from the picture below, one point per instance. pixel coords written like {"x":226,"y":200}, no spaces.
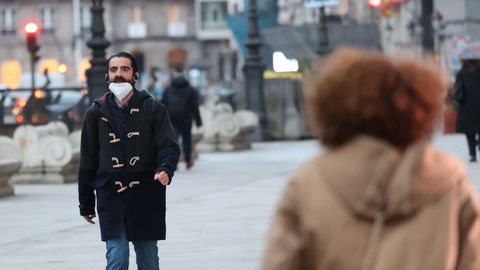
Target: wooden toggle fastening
{"x":131,"y":134}
{"x":134,"y":160}
{"x":104,"y":119}
{"x":114,"y":138}
{"x":132,"y":110}
{"x":122,"y":188}
{"x":131,"y":184}
{"x":118,"y":164}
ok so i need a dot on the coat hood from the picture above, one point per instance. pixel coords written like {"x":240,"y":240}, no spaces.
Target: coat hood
{"x":180,"y":82}
{"x":370,"y":175}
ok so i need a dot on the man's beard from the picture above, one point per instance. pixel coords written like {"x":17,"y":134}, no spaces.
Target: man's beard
{"x":119,"y":79}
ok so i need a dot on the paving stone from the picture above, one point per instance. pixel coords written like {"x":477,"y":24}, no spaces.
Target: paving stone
{"x":217,"y":213}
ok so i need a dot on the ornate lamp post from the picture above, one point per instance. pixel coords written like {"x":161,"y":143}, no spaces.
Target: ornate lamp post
{"x":253,"y":71}
{"x":98,"y":43}
{"x":323,"y":42}
{"x":427,"y":27}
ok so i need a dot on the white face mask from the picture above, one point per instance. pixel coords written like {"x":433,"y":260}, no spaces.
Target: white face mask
{"x":120,"y":90}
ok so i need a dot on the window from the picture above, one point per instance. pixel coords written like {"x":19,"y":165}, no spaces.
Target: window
{"x":177,"y":20}
{"x":85,"y":17}
{"x":48,"y":64}
{"x":11,"y":72}
{"x":235,"y":7}
{"x":213,"y":15}
{"x":47,"y":19}
{"x":137,"y":28}
{"x":137,"y":13}
{"x":7,"y":21}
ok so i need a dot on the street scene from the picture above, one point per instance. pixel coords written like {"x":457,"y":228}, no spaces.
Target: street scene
{"x":218,"y":213}
{"x":239,"y":134}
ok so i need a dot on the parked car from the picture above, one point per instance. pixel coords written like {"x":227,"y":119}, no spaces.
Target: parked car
{"x":21,"y":106}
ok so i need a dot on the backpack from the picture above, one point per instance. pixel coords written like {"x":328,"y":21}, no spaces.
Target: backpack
{"x":178,"y":102}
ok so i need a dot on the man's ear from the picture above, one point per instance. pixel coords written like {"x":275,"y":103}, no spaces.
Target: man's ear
{"x":106,"y":77}
{"x":136,"y":76}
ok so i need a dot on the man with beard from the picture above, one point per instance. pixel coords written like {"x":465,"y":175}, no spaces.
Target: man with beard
{"x":128,"y":156}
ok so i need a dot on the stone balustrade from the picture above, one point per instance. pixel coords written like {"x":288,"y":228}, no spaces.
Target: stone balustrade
{"x":70,"y":170}
{"x":11,"y":159}
{"x":46,"y":149}
{"x":226,"y":130}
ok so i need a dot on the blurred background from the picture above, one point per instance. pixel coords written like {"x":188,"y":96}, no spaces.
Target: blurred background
{"x":247,"y":59}
{"x":45,"y":67}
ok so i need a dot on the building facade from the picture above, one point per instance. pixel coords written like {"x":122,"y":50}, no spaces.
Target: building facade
{"x":149,"y":29}
{"x":296,"y":12}
{"x":454,"y":24}
{"x":349,"y":22}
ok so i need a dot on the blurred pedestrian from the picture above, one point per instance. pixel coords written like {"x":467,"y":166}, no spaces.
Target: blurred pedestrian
{"x":181,"y":100}
{"x":128,"y":156}
{"x":467,"y":97}
{"x":380,"y":197}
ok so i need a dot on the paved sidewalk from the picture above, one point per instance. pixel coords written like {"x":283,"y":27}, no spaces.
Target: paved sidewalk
{"x":217,"y":213}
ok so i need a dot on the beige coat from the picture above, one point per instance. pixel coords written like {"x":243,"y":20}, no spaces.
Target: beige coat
{"x":367,"y":206}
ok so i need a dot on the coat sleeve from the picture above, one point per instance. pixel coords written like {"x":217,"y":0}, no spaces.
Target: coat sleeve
{"x":285,"y":242}
{"x":469,"y":253}
{"x":89,"y":148}
{"x":166,"y":142}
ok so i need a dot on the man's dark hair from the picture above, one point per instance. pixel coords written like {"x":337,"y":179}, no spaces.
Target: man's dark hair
{"x":132,"y":59}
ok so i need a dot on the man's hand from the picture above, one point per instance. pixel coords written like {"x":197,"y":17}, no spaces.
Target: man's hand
{"x":162,"y":177}
{"x":89,"y":218}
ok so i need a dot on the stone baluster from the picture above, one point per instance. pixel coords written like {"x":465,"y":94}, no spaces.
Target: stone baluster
{"x":11,"y":159}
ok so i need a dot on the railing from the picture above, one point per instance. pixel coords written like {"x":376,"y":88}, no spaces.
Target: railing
{"x":24,"y":104}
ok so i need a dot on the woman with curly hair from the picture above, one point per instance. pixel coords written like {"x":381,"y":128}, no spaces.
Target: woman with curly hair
{"x":380,"y":197}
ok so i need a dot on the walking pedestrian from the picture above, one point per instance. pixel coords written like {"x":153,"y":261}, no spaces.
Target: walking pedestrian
{"x":128,"y":157}
{"x":380,"y":197}
{"x":181,"y":99}
{"x":467,"y":97}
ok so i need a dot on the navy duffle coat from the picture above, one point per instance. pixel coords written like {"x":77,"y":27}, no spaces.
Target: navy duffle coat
{"x":117,"y":166}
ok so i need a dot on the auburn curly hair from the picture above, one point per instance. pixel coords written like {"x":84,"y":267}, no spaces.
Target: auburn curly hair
{"x":358,"y":92}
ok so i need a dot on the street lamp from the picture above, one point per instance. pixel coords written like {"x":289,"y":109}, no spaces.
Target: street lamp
{"x":427,"y":27}
{"x":62,"y":68}
{"x":98,"y":43}
{"x":253,"y":71}
{"x":323,"y":42}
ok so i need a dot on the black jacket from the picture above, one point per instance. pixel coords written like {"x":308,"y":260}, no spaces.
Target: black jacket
{"x":181,"y":99}
{"x":110,"y":161}
{"x":468,"y":81}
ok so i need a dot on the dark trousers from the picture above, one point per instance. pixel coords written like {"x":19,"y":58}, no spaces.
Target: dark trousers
{"x":183,"y":129}
{"x":472,"y":140}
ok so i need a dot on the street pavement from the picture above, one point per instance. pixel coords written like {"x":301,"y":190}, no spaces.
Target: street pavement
{"x":218,"y":213}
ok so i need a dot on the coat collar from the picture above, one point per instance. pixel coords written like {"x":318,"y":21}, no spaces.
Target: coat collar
{"x":133,"y":105}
